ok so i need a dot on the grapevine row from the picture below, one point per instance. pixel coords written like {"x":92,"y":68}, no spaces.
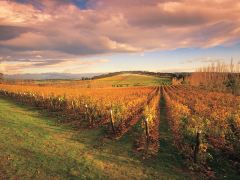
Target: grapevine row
{"x":93,"y":105}
{"x":214,"y":116}
{"x":149,"y":138}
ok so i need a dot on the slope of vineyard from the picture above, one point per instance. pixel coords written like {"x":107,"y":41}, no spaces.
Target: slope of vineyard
{"x":121,"y":80}
{"x":92,"y":105}
{"x":32,"y":145}
{"x":149,"y":138}
{"x":205,"y":125}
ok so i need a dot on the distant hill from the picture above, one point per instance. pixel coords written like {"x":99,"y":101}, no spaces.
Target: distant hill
{"x":44,"y":76}
{"x":159,"y":74}
{"x":130,"y":79}
{"x":86,"y":80}
{"x":93,"y":76}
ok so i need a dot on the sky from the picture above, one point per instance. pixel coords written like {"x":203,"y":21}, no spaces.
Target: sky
{"x":97,"y":36}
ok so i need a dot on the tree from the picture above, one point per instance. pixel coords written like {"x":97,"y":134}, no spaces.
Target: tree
{"x":1,"y":74}
{"x":1,"y":77}
{"x":233,"y":84}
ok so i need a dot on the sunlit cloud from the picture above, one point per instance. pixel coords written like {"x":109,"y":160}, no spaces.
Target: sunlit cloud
{"x":42,"y":66}
{"x":205,"y":60}
{"x":56,"y":29}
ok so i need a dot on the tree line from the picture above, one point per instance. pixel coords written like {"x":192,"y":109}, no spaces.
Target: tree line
{"x":160,"y":74}
{"x":218,"y":77}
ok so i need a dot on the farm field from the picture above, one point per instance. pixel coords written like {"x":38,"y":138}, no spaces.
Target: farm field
{"x":121,"y":80}
{"x":163,"y":131}
{"x":35,"y":145}
{"x":133,"y":80}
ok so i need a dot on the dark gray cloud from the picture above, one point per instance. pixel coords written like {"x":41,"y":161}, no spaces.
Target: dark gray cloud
{"x":157,"y":18}
{"x":10,"y":32}
{"x":214,"y":30}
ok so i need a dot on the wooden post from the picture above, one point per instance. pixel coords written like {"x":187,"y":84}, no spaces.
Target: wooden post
{"x":197,"y":147}
{"x":88,"y":115}
{"x":86,"y":112}
{"x":112,"y":122}
{"x":147,"y":135}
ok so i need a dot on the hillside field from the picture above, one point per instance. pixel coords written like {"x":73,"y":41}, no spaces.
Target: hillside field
{"x":122,"y":80}
{"x":35,"y":145}
{"x":122,"y":127}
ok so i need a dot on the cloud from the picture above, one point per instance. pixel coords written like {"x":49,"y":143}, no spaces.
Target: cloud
{"x":73,"y":29}
{"x":205,"y":60}
{"x":38,"y":56}
{"x":11,"y":32}
{"x":11,"y":66}
{"x":170,"y":70}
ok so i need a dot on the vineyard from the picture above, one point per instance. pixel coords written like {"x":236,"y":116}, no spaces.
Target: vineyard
{"x":204,"y":125}
{"x":118,"y":108}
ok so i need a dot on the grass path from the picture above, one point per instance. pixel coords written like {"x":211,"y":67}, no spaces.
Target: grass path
{"x":168,"y":152}
{"x":168,"y":158}
{"x":33,"y":145}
